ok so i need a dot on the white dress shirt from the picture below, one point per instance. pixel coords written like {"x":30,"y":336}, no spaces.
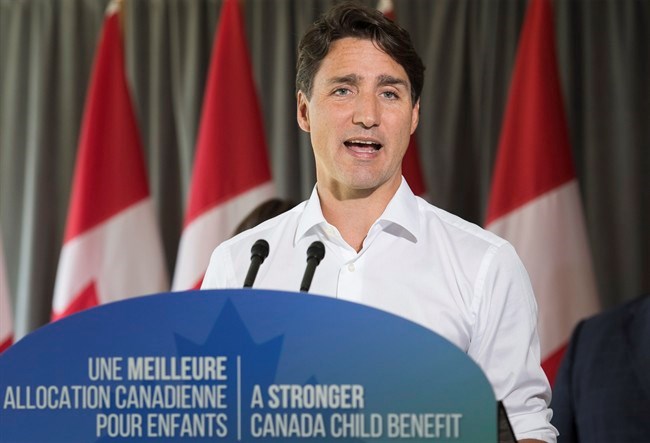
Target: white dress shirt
{"x":426,"y":265}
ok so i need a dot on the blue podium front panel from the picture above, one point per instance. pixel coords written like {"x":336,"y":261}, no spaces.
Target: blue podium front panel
{"x":240,"y":365}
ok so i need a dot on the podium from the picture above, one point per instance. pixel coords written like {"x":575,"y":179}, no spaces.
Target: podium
{"x":241,"y":365}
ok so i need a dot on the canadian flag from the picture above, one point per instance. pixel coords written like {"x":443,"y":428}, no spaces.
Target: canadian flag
{"x":231,"y":173}
{"x":6,"y":319}
{"x":411,"y":169}
{"x":112,"y":247}
{"x":535,"y":201}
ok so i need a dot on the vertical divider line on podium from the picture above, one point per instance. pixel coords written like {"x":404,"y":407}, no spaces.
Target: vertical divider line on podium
{"x":239,"y":398}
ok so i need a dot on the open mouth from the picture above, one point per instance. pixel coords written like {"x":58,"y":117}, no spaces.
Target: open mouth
{"x":363,"y":146}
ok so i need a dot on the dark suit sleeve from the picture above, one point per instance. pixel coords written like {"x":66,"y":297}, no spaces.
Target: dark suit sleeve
{"x":563,"y":403}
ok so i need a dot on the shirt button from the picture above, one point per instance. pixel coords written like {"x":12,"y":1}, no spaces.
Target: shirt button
{"x":351,"y":267}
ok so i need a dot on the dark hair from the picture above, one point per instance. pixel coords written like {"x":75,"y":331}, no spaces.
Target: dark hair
{"x":264,"y":211}
{"x":357,"y":21}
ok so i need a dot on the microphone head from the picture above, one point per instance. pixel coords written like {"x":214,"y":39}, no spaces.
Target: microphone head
{"x":260,"y":249}
{"x":316,"y":250}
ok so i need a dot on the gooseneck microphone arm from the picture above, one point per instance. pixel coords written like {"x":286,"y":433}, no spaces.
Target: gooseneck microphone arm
{"x":315,"y":254}
{"x":259,"y":252}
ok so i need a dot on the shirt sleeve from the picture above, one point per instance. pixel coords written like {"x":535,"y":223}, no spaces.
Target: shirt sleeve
{"x":505,"y":343}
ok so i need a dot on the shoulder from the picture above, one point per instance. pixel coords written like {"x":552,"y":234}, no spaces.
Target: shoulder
{"x":610,"y":325}
{"x":458,"y":226}
{"x":615,"y":317}
{"x":490,"y":263}
{"x":604,"y":338}
{"x":471,"y":242}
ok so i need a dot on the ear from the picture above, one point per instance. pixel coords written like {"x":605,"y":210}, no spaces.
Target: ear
{"x":415,"y":116}
{"x":303,"y":112}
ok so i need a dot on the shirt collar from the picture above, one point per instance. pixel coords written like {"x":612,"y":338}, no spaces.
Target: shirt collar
{"x":402,"y":210}
{"x":311,"y":217}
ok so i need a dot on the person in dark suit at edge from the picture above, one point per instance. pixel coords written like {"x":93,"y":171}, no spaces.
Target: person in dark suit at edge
{"x":602,"y":392}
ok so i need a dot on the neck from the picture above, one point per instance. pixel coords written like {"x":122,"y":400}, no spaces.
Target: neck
{"x":353,"y":213}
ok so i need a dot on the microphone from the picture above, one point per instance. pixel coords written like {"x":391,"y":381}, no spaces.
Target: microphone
{"x":315,"y":254}
{"x":259,"y":252}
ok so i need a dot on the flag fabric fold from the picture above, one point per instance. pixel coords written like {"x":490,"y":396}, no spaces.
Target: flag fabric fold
{"x":231,"y":174}
{"x":534,"y":200}
{"x":411,"y":169}
{"x":112,"y":247}
{"x":6,"y":317}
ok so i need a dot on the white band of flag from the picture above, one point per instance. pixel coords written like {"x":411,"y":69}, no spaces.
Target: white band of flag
{"x":99,"y":255}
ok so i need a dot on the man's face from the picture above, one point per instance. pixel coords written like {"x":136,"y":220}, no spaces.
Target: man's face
{"x":360,"y":118}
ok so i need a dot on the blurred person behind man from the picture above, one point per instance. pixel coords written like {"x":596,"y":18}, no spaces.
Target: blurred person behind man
{"x":262,"y":212}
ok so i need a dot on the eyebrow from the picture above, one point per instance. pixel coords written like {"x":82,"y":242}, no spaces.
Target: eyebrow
{"x":393,"y":81}
{"x":350,"y":78}
{"x":354,"y":79}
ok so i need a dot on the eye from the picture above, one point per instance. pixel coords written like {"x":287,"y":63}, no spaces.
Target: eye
{"x":341,"y":92}
{"x":391,"y":95}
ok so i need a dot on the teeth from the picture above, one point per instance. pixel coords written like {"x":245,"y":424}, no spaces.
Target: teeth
{"x":363,"y":145}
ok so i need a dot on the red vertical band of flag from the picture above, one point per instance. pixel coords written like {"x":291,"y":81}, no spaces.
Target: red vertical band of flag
{"x":534,"y":200}
{"x":112,"y":246}
{"x":534,"y":151}
{"x":411,"y":169}
{"x":104,"y":183}
{"x":231,"y":174}
{"x":6,"y":318}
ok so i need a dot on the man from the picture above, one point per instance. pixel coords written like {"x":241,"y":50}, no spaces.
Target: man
{"x":359,"y":81}
{"x":602,"y":392}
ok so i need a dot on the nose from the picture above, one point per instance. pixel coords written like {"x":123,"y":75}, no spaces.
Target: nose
{"x":366,"y":111}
